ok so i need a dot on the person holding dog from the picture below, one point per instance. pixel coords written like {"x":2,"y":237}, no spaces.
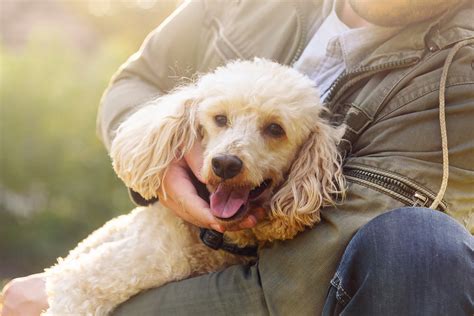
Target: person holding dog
{"x":400,"y":75}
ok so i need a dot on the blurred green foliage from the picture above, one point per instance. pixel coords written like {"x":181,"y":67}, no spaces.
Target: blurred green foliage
{"x":56,"y":180}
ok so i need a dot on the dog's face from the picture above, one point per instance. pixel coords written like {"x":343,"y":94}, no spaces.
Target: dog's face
{"x":252,"y":121}
{"x":265,"y":144}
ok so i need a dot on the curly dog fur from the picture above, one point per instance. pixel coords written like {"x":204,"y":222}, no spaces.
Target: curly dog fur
{"x":263,"y":115}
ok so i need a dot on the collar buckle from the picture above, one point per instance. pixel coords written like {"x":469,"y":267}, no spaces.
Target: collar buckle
{"x":211,"y":238}
{"x":215,"y":240}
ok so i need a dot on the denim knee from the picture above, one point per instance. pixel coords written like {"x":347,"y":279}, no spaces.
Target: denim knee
{"x":408,"y":261}
{"x":410,"y":233}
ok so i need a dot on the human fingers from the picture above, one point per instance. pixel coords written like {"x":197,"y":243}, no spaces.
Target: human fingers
{"x":25,"y":296}
{"x":191,"y":214}
{"x":182,"y":198}
{"x":252,"y":219}
{"x":194,"y":160}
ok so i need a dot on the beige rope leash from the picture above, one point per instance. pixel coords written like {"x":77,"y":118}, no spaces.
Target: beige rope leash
{"x":442,"y":120}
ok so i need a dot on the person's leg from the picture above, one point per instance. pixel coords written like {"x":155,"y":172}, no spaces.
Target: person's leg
{"x":410,"y":261}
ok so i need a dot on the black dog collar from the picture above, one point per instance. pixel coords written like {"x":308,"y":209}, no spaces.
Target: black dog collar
{"x":215,"y":240}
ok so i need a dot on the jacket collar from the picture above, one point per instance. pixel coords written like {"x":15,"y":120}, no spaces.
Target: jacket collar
{"x":411,"y":41}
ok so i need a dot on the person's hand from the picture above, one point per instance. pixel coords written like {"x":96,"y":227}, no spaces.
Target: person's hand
{"x":182,"y":198}
{"x":25,"y":296}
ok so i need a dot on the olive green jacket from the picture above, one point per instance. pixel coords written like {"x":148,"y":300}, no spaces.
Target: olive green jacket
{"x":388,"y":97}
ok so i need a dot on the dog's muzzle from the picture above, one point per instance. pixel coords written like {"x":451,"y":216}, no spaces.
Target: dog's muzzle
{"x":226,"y":166}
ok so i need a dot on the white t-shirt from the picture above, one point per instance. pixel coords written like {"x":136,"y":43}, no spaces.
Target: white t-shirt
{"x":316,"y":62}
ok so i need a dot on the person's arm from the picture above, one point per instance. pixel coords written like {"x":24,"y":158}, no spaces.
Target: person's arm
{"x":169,"y":52}
{"x":291,"y":277}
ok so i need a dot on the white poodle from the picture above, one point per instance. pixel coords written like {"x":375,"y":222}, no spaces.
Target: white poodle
{"x":265,"y":144}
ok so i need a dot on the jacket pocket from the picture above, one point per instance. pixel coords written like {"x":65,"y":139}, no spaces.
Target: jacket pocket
{"x":394,"y":185}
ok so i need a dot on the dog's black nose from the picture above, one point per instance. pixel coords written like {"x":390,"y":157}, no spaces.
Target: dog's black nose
{"x":226,"y":166}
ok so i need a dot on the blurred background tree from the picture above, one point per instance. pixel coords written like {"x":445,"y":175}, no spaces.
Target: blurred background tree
{"x":56,"y":180}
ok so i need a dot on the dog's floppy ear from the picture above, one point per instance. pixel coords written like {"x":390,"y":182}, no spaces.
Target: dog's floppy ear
{"x":149,"y":140}
{"x":314,"y":179}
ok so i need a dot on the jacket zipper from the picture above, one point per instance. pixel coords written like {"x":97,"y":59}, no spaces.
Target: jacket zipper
{"x":350,"y":77}
{"x":391,"y":184}
{"x":299,"y":51}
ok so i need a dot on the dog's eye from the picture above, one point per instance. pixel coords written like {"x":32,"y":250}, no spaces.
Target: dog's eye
{"x":274,"y":130}
{"x":221,"y":120}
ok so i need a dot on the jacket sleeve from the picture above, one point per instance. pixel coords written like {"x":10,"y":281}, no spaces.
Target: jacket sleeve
{"x":169,"y":52}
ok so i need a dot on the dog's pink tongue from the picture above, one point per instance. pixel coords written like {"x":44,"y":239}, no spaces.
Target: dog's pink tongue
{"x":225,"y":202}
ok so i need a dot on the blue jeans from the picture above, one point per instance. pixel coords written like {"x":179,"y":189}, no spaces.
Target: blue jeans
{"x":410,"y":261}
